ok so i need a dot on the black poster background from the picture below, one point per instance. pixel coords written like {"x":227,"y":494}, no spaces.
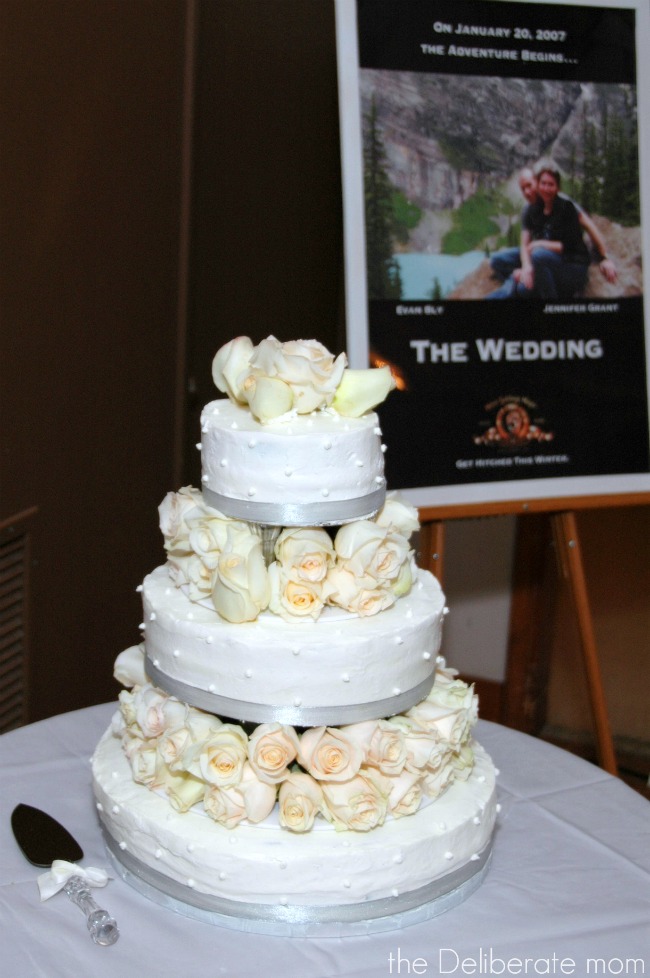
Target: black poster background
{"x":583,"y":415}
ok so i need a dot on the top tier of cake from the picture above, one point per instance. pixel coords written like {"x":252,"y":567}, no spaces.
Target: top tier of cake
{"x":297,"y":442}
{"x":300,"y":470}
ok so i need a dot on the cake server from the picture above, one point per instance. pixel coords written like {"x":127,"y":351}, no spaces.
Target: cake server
{"x":42,"y":840}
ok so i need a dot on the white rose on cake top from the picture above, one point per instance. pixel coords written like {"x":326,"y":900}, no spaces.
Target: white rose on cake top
{"x":274,"y":378}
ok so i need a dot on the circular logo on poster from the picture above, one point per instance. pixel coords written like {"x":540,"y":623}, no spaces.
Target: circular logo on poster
{"x":512,"y":423}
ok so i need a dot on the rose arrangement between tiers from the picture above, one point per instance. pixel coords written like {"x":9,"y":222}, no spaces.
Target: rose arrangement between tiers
{"x":364,"y":569}
{"x":353,"y":776}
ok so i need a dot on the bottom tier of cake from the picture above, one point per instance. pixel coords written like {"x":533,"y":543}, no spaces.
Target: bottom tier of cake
{"x":266,"y":879}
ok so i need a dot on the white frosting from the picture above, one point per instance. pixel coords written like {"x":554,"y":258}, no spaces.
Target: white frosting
{"x":302,"y":460}
{"x":266,"y":864}
{"x":336,"y":662}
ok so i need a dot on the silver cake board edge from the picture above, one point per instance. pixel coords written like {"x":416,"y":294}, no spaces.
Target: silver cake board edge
{"x":372,"y":917}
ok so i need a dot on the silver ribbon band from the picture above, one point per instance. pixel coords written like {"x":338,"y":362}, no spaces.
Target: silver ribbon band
{"x":296,"y":920}
{"x":298,"y":716}
{"x":328,"y":513}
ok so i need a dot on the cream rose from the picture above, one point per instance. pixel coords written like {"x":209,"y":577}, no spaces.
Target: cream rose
{"x":176,"y":742}
{"x":328,"y":755}
{"x":441,"y":754}
{"x":300,"y":799}
{"x":190,"y":571}
{"x":419,"y":743}
{"x":208,"y":535}
{"x":448,"y":726}
{"x":126,"y":699}
{"x":405,"y":793}
{"x":434,"y":783}
{"x":118,"y":725}
{"x":360,"y":735}
{"x":404,"y":580}
{"x":362,"y":390}
{"x":174,"y":511}
{"x":259,"y":796}
{"x":143,"y":760}
{"x":220,"y":759}
{"x":463,"y":762}
{"x":360,"y":803}
{"x":367,"y":549}
{"x":444,"y":673}
{"x":310,"y":370}
{"x":250,"y":798}
{"x":224,"y":805}
{"x":268,"y":398}
{"x":241,"y":589}
{"x":293,"y":599}
{"x":129,"y":667}
{"x":305,"y":553}
{"x":230,"y":366}
{"x":387,"y":750}
{"x":201,"y":725}
{"x":361,"y":596}
{"x":156,"y":711}
{"x":272,"y":747}
{"x":455,"y":695}
{"x":183,"y":791}
{"x":172,"y":746}
{"x":450,"y":710}
{"x":398,"y":516}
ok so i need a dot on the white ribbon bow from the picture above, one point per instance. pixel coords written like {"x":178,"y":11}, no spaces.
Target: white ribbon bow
{"x":51,"y":882}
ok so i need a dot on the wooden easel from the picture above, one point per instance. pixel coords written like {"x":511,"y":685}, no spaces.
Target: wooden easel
{"x":561,"y":513}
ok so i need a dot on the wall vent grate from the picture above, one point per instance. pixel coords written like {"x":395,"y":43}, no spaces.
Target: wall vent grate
{"x":14,"y":573}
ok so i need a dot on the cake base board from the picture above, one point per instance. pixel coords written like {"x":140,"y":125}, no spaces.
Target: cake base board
{"x":352,"y":920}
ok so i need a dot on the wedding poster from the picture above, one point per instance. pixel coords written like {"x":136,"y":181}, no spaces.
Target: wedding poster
{"x":495,"y":241}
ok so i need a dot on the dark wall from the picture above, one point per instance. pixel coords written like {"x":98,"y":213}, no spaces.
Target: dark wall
{"x":267,"y":252}
{"x":91,"y":131}
{"x":99,"y":408}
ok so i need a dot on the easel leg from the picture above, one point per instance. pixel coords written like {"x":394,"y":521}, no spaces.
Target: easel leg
{"x":526,"y":681}
{"x":568,"y":545}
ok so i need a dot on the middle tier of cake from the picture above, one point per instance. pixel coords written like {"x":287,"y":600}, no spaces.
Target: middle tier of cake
{"x":341,"y":669}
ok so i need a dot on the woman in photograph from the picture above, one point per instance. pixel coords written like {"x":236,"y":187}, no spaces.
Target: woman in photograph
{"x":554,"y":257}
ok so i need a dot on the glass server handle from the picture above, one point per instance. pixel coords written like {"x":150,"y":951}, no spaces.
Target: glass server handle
{"x":102,"y":927}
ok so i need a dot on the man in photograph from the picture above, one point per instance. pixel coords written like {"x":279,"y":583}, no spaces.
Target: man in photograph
{"x":506,"y":264}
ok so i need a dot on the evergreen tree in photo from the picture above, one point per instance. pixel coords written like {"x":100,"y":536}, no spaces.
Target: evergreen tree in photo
{"x":610,"y":184}
{"x":615,"y":167}
{"x":406,"y":216}
{"x":621,"y":179}
{"x":591,"y":184}
{"x":632,"y":199}
{"x":384,"y":281}
{"x":436,"y":294}
{"x":571,"y":182}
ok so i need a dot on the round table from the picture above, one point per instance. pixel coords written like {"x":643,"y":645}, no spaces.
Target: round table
{"x":567,"y":893}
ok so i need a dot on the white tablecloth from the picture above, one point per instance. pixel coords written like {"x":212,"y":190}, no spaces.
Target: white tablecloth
{"x":568,"y":891}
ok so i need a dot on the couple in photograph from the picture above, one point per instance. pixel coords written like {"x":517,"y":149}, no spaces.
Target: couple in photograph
{"x":553,"y":259}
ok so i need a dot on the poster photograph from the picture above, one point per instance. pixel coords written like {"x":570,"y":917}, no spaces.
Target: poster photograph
{"x":493,"y":192}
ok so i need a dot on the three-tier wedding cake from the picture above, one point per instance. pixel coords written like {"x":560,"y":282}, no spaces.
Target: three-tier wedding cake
{"x":291,"y":754}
